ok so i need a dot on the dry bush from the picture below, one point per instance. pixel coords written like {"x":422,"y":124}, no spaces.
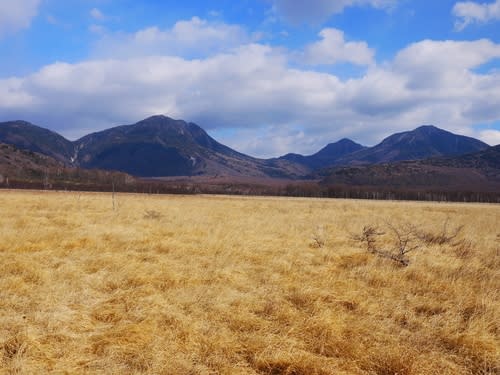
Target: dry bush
{"x":318,"y":238}
{"x":444,"y":236}
{"x":463,"y":248}
{"x":404,"y":241}
{"x":407,"y":237}
{"x":152,"y":215}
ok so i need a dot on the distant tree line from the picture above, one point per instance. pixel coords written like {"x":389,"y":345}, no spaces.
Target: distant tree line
{"x":99,"y":181}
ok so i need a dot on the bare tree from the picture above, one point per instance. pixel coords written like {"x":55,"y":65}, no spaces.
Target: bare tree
{"x":405,"y":241}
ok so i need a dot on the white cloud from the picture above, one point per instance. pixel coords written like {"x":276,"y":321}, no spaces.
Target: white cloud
{"x":490,"y":136}
{"x":267,"y":141}
{"x":427,"y":83}
{"x":317,"y":11}
{"x":96,"y":14}
{"x":333,"y":48}
{"x":253,"y":89}
{"x":469,"y":12}
{"x":194,"y":37}
{"x":16,"y":15}
{"x":444,"y":64}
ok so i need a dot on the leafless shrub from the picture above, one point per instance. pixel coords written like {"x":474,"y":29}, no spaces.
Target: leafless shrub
{"x":317,"y":242}
{"x":404,"y":239}
{"x":152,"y":215}
{"x":368,"y":236}
{"x":318,"y":238}
{"x":407,"y":237}
{"x":444,"y":236}
{"x":463,"y":249}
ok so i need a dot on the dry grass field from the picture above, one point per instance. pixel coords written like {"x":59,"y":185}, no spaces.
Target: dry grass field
{"x":226,"y":285}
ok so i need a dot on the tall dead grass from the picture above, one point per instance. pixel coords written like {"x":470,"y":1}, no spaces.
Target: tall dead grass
{"x":205,"y":285}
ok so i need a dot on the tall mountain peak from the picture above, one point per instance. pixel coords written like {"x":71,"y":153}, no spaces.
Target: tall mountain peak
{"x":423,"y":142}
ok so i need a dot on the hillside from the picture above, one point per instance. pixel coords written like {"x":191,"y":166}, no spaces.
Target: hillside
{"x":25,"y":165}
{"x":478,"y":171}
{"x":27,"y":136}
{"x":24,"y":168}
{"x":327,"y":156}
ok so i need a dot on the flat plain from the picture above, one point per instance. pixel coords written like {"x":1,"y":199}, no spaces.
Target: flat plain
{"x":149,"y":284}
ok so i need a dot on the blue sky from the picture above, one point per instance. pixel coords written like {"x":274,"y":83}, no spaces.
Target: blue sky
{"x":266,"y":77}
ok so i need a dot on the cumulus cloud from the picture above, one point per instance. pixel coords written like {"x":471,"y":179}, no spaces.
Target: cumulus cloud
{"x":194,"y":37}
{"x":444,"y":64}
{"x":17,"y":15}
{"x":333,"y":48}
{"x":318,"y":11}
{"x":427,"y":83}
{"x":253,"y":97}
{"x":469,"y":12}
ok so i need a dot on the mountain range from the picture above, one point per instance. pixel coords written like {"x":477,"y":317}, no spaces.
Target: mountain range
{"x":478,"y":171}
{"x":424,"y":142}
{"x":160,"y":146}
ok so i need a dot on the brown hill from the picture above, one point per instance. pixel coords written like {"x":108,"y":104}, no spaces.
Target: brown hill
{"x":25,"y":165}
{"x":472,"y":172}
{"x":24,"y":168}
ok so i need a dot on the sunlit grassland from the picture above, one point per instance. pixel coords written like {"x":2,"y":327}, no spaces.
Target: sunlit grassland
{"x":235,"y":285}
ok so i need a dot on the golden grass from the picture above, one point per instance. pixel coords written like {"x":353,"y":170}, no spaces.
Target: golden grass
{"x":208,"y":285}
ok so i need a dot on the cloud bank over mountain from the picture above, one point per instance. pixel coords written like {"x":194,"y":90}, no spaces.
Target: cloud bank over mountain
{"x":259,"y":93}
